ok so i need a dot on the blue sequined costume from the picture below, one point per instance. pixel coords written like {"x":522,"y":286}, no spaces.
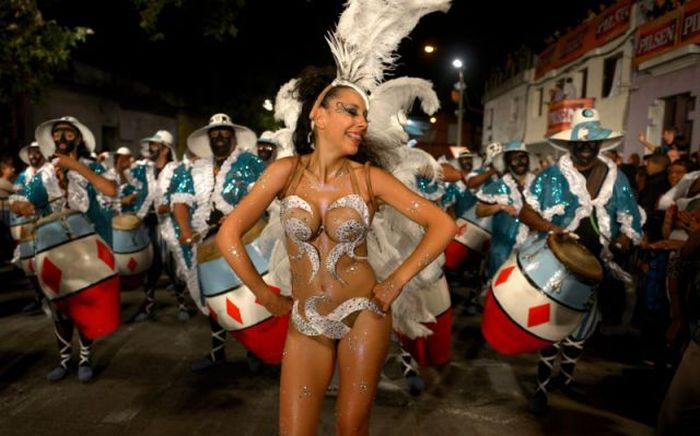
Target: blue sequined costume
{"x":140,"y":179}
{"x":559,"y":195}
{"x":508,"y":232}
{"x":40,"y":188}
{"x":199,"y":189}
{"x":83,"y":196}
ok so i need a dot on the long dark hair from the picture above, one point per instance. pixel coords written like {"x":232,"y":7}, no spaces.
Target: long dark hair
{"x":312,"y":81}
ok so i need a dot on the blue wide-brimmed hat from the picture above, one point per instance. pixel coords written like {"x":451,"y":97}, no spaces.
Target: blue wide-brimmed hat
{"x":585,"y":126}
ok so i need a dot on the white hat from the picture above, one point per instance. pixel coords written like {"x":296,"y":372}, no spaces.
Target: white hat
{"x":268,"y":137}
{"x":123,"y":151}
{"x":198,"y":141}
{"x":24,"y":152}
{"x":498,"y":159}
{"x":45,"y":139}
{"x":585,"y":126}
{"x":161,"y":137}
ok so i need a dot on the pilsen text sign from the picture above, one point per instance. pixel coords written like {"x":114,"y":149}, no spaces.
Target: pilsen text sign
{"x":561,"y":113}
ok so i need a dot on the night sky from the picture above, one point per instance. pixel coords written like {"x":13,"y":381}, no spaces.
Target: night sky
{"x":242,"y":70}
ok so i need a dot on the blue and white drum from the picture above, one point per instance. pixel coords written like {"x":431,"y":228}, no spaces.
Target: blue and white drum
{"x":540,"y":295}
{"x":473,"y":239}
{"x":22,"y":227}
{"x":234,"y":306}
{"x":131,"y":244}
{"x":77,"y":272}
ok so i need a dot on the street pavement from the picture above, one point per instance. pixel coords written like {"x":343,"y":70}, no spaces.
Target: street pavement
{"x":144,"y":386}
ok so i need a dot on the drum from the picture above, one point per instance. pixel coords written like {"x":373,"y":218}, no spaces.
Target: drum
{"x":22,"y":227}
{"x":77,"y":272}
{"x":433,"y":350}
{"x":472,"y":240}
{"x":132,"y":249}
{"x":540,"y":295}
{"x":234,"y":306}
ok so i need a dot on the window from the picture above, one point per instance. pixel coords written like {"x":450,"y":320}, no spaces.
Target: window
{"x":490,"y":124}
{"x":540,"y":101}
{"x":677,"y":109}
{"x":584,"y":82}
{"x":514,"y":109}
{"x":612,"y":72}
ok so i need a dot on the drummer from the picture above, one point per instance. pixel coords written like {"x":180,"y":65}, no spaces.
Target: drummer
{"x":37,"y":194}
{"x":88,"y":189}
{"x":225,"y":170}
{"x":267,"y":147}
{"x":128,"y":194}
{"x":584,"y":194}
{"x":503,"y":200}
{"x":152,"y":176}
{"x":457,"y":193}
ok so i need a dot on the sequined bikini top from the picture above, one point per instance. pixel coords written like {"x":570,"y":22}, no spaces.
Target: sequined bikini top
{"x":348,"y":229}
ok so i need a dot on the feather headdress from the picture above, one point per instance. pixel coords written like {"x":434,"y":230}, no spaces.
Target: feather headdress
{"x":368,"y":33}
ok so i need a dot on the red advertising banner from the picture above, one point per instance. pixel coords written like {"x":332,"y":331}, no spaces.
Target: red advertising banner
{"x":613,"y":22}
{"x":675,"y":29}
{"x":561,"y":113}
{"x":690,"y":23}
{"x":610,"y":24}
{"x":545,"y":60}
{"x":656,"y":37}
{"x":573,"y":45}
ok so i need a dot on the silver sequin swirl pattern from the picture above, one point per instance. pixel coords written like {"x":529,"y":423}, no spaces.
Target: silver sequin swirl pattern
{"x":331,"y":325}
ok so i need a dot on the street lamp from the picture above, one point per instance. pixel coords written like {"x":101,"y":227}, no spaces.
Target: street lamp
{"x":429,"y":49}
{"x":457,"y":63}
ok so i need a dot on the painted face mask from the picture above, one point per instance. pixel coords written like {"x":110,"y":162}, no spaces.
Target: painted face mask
{"x":584,"y":153}
{"x":222,"y":142}
{"x":65,"y":137}
{"x":466,"y":163}
{"x":518,"y":162}
{"x":266,"y":151}
{"x":154,"y":149}
{"x":36,"y":159}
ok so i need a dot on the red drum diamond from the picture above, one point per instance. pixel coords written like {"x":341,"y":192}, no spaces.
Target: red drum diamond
{"x":538,"y":315}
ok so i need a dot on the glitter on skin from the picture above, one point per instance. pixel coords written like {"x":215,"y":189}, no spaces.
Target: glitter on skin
{"x":363,"y":385}
{"x":305,"y":393}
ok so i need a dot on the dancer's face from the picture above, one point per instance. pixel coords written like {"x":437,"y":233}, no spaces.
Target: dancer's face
{"x":584,"y":153}
{"x":66,"y":137}
{"x":344,"y":121}
{"x":518,"y":162}
{"x":222,"y":141}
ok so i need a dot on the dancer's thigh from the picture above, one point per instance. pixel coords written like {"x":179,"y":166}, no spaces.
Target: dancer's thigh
{"x":361,"y":355}
{"x":307,"y":367}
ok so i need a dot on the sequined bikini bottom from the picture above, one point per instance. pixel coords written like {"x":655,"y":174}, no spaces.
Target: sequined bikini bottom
{"x":331,"y":325}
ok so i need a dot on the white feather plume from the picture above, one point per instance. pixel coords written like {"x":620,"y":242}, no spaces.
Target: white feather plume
{"x":389,"y":102}
{"x":287,"y":105}
{"x":368,"y":34}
